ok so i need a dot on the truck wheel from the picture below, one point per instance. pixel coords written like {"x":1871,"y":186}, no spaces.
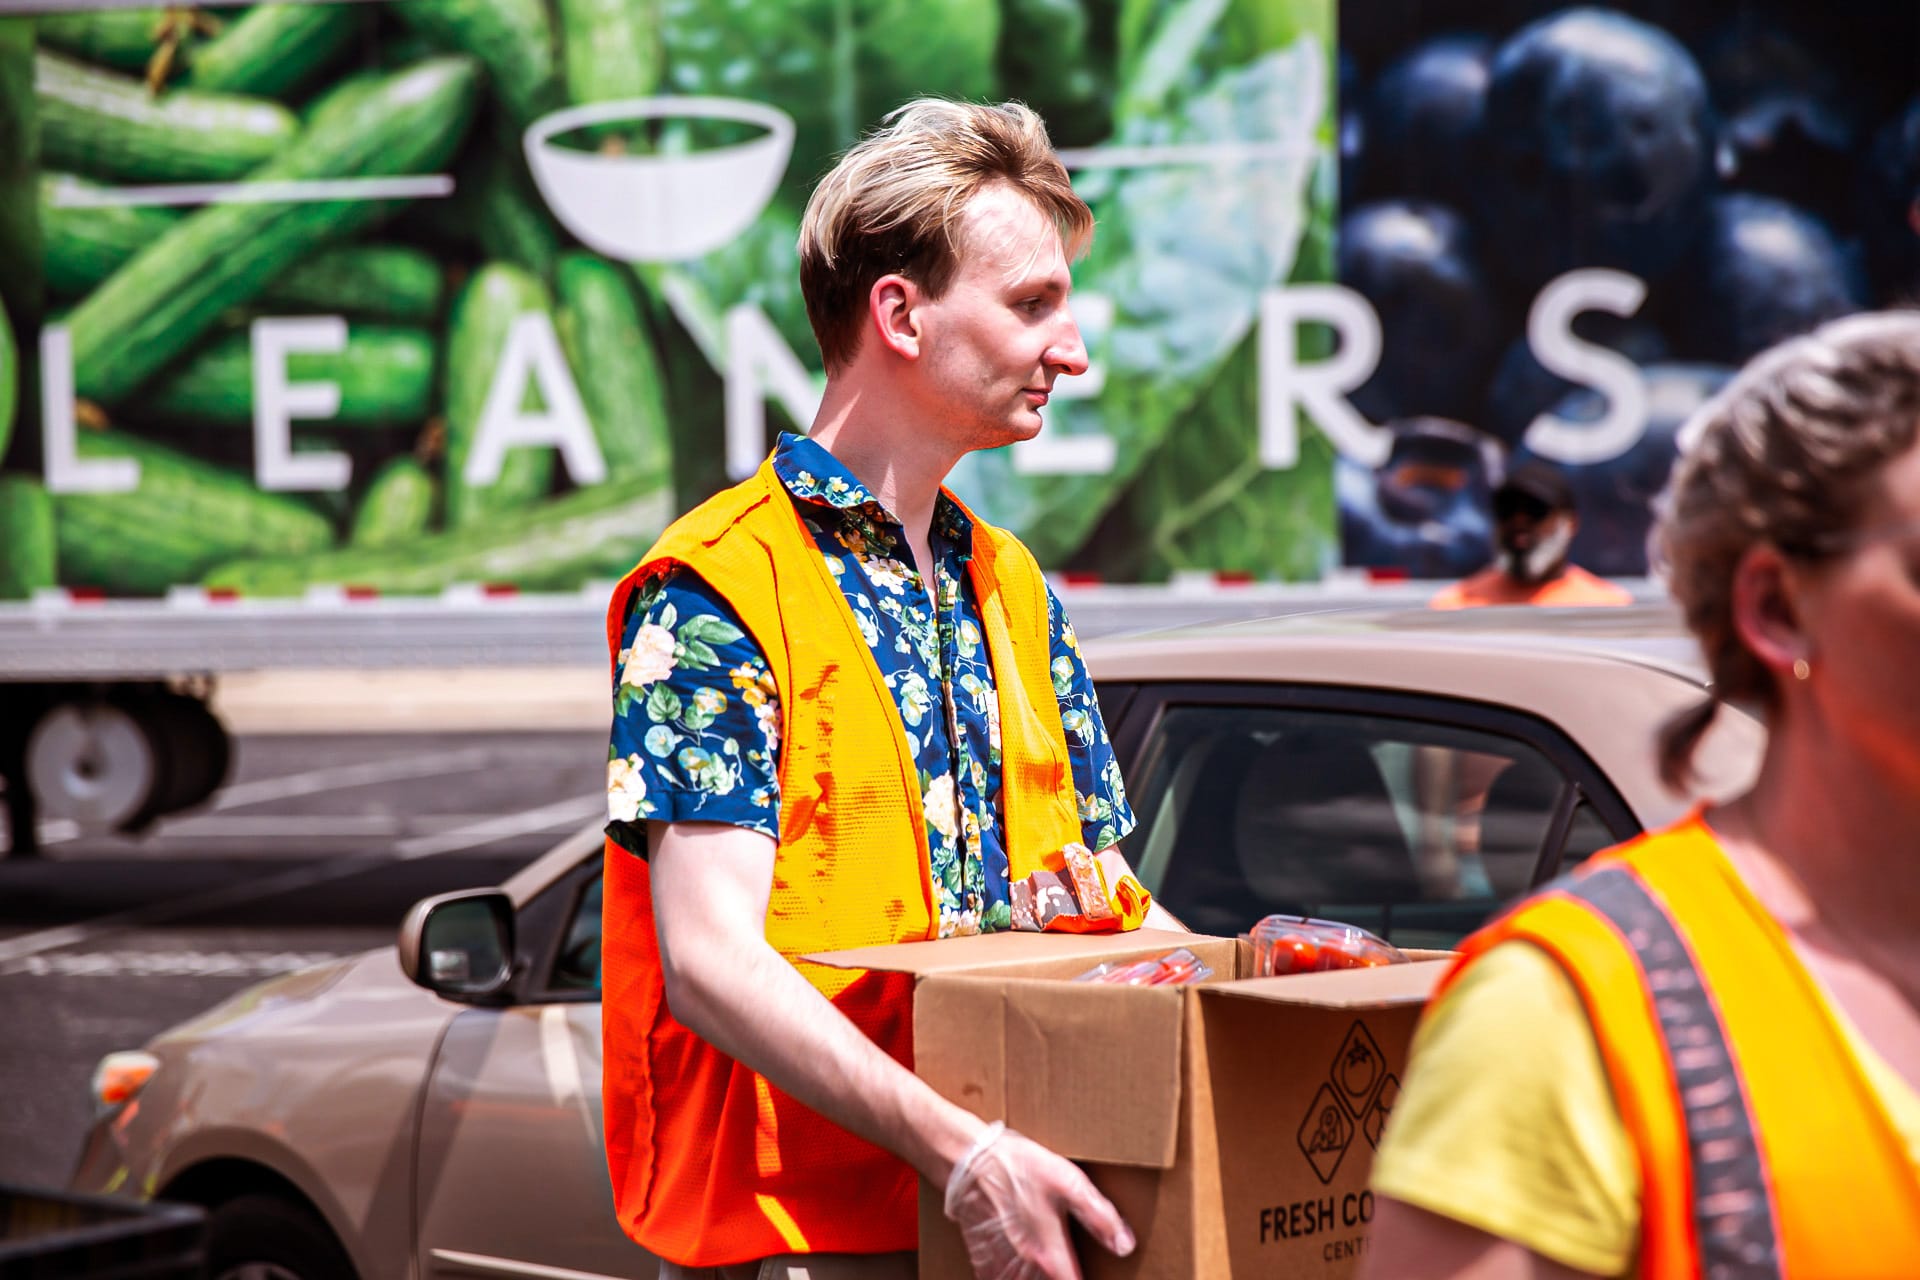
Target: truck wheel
{"x":263,"y":1237}
{"x":93,"y":762}
{"x":194,"y":751}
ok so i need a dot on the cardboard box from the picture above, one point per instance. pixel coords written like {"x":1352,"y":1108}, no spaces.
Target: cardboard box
{"x":1232,"y":1123}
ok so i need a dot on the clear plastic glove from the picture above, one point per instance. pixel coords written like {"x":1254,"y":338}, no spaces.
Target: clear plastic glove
{"x":1010,"y":1197}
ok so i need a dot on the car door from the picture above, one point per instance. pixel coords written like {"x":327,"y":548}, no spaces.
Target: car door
{"x":1416,"y":817}
{"x":511,"y":1173}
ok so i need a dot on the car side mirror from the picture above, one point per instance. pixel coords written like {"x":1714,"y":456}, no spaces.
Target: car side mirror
{"x":460,"y":945}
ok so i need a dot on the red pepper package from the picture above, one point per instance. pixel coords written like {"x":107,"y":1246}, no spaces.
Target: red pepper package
{"x":1299,"y":944}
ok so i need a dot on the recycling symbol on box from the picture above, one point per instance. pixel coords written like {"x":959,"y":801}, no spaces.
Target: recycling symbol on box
{"x":1357,"y":1097}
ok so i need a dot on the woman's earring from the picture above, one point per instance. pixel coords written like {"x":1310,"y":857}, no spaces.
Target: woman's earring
{"x":1802,"y":668}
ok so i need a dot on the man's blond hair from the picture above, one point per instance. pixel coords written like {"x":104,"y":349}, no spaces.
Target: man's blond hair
{"x":893,"y":206}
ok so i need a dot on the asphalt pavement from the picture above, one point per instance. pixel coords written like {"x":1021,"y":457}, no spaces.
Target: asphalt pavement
{"x":315,"y":849}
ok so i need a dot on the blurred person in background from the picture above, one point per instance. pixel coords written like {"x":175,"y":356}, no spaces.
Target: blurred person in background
{"x":1534,"y":522}
{"x":1698,"y":1055}
{"x":847,"y":714}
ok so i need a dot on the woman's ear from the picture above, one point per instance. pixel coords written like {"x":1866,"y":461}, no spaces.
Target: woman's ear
{"x":1769,"y":610}
{"x":892,"y":308}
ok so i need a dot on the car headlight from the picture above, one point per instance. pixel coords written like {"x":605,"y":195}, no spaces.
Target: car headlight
{"x":120,"y":1077}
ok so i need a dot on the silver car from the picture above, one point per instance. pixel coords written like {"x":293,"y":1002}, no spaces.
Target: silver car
{"x":433,"y":1108}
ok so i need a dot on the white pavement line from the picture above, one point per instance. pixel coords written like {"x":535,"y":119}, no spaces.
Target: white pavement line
{"x":342,"y":776}
{"x":576,"y":809}
{"x":175,"y":964}
{"x":14,"y":950}
{"x":278,"y":825}
{"x":320,"y":825}
{"x":415,"y":187}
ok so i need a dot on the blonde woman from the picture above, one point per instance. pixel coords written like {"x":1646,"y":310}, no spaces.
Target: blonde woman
{"x":1699,"y":1055}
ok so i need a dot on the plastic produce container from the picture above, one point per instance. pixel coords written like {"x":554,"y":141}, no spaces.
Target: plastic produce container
{"x":1300,"y":944}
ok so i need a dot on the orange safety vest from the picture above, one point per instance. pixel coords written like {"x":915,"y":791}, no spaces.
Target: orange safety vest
{"x":1574,"y":586}
{"x":712,"y":1164}
{"x":1764,"y":1151}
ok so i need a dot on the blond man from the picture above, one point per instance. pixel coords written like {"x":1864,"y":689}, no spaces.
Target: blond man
{"x":845,"y":709}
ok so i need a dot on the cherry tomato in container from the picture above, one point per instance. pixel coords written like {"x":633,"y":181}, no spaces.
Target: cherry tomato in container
{"x":1300,"y":944}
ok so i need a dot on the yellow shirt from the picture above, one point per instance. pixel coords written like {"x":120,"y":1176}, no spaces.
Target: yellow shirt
{"x":1507,"y":1121}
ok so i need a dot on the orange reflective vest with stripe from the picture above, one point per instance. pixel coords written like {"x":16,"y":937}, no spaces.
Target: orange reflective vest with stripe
{"x":711,"y":1164}
{"x":1764,"y":1151}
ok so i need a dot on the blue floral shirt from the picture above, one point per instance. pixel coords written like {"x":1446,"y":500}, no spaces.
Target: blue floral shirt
{"x":696,"y":728}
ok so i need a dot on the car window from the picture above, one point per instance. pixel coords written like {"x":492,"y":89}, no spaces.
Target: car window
{"x":576,"y":966}
{"x":1416,"y":830}
{"x":1585,"y":837}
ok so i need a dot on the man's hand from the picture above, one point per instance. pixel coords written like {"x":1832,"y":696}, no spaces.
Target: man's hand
{"x":1010,"y":1199}
{"x":711,"y":885}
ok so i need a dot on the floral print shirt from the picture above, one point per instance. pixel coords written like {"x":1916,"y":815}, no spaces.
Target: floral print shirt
{"x":696,"y":728}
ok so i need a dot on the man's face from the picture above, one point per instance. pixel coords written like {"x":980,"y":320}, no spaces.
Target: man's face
{"x":994,"y":343}
{"x":1533,"y":538}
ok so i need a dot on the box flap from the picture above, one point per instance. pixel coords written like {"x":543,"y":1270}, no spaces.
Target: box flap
{"x":1381,"y":988}
{"x":1090,"y":1071}
{"x":1003,"y":950}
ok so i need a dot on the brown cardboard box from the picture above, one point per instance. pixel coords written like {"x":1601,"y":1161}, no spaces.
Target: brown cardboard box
{"x":1232,"y":1123}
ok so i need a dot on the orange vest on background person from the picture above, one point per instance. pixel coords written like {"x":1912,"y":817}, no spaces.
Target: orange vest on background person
{"x":1574,"y":586}
{"x":711,"y":1164}
{"x":1764,"y":1150}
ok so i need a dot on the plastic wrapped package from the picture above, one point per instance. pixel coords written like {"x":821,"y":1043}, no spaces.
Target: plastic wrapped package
{"x":1300,"y":944}
{"x":1175,"y":968}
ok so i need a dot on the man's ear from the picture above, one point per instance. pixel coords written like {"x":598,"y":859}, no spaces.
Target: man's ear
{"x":1768,"y":609}
{"x":892,"y":307}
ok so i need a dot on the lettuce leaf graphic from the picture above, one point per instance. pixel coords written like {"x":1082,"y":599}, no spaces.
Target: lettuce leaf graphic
{"x":1204,"y":502}
{"x":1184,"y":251}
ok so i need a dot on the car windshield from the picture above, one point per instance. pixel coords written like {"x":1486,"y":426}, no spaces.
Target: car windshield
{"x":1413,"y":829}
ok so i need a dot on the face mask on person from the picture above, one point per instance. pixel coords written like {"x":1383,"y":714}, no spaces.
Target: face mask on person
{"x":1543,"y":559}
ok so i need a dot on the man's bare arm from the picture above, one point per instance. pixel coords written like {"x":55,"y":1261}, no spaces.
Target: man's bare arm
{"x":724,"y":982}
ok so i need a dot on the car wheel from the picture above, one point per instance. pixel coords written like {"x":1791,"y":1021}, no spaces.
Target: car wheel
{"x":263,"y":1237}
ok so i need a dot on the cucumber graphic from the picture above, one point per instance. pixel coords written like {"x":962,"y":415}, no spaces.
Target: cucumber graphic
{"x":513,"y":40}
{"x":385,"y":376}
{"x":156,"y":306}
{"x":275,"y":49}
{"x":588,"y":534}
{"x":109,"y":126}
{"x":27,"y":557}
{"x":477,"y":335}
{"x":396,"y":509}
{"x":124,"y":39}
{"x":613,"y":361}
{"x":185,"y":517}
{"x":85,"y":245}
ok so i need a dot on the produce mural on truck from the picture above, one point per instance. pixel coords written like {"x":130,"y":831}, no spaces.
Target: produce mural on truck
{"x":1573,"y":222}
{"x":400,"y":294}
{"x":412,"y":293}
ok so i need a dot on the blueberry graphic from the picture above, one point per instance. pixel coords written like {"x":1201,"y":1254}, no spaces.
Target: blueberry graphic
{"x":1600,"y":149}
{"x":1766,"y":271}
{"x":1615,"y":498}
{"x":1888,"y":207}
{"x":1788,"y":126}
{"x":1425,"y":510}
{"x":1423,"y":118}
{"x":1522,"y":388}
{"x":1439,"y":328}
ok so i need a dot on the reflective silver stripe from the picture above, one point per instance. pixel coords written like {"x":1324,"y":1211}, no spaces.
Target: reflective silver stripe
{"x":481,"y":1264}
{"x":1732,"y":1199}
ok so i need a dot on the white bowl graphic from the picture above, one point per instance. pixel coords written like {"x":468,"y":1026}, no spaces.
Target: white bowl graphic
{"x":659,"y":208}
